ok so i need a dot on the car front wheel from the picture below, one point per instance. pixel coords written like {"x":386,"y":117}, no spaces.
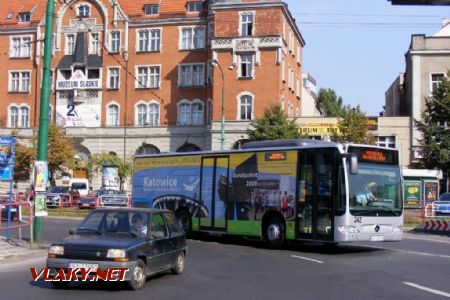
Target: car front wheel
{"x":139,"y":276}
{"x":179,"y":266}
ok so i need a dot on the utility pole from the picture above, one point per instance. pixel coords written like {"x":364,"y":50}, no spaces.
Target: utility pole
{"x":44,"y":105}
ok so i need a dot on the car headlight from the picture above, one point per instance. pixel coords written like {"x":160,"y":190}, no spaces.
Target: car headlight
{"x":397,"y":229}
{"x":56,"y":250}
{"x":116,"y":253}
{"x":348,"y":229}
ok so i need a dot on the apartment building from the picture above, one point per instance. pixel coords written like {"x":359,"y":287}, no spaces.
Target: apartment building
{"x":149,"y":76}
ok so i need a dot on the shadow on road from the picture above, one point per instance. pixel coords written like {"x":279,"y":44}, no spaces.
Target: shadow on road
{"x":296,"y":246}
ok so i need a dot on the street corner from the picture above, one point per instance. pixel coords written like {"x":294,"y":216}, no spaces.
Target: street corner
{"x":12,"y":250}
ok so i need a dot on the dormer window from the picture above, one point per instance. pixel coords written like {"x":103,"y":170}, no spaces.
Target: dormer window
{"x":151,"y":9}
{"x":9,"y":16}
{"x":24,"y":17}
{"x":195,"y":6}
{"x":83,"y":11}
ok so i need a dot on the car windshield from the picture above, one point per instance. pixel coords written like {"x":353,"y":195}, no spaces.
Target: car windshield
{"x":115,"y":222}
{"x":59,"y":189}
{"x":445,"y":197}
{"x":375,"y":190}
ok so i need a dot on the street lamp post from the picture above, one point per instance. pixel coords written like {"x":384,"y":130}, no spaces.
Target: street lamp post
{"x":215,"y":62}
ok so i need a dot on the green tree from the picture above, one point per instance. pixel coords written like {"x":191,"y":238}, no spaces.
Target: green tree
{"x":60,"y":155}
{"x":435,"y":129}
{"x":329,"y":104}
{"x":96,"y":162}
{"x":353,"y":127}
{"x":273,"y":125}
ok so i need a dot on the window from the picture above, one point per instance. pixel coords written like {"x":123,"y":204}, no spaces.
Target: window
{"x":197,"y":113}
{"x":151,"y":9}
{"x":13,"y":117}
{"x":246,"y":107}
{"x":114,"y":41}
{"x":24,"y":17}
{"x":192,"y":38}
{"x":153,"y":114}
{"x":113,"y":78}
{"x":386,"y":141}
{"x":24,"y":117}
{"x":195,"y":6}
{"x":142,"y":114}
{"x":19,"y":82}
{"x":191,"y":75}
{"x":159,"y":229}
{"x":246,"y":68}
{"x":149,"y":40}
{"x":70,"y":44}
{"x":83,"y":10}
{"x":436,"y":80}
{"x":209,"y":112}
{"x":148,"y":114}
{"x":112,"y":118}
{"x":246,"y":24}
{"x":184,"y":113}
{"x":20,"y":46}
{"x":148,"y":77}
{"x":94,"y":45}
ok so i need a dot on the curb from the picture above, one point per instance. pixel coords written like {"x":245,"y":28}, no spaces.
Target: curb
{"x":10,"y":258}
{"x":64,"y":218}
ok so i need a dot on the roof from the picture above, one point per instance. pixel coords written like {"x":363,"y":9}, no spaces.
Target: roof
{"x":132,"y":209}
{"x":9,"y":12}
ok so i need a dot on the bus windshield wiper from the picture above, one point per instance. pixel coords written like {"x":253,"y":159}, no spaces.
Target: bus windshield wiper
{"x":90,"y":229}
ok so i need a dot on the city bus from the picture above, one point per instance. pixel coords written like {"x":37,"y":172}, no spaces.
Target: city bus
{"x":278,"y":191}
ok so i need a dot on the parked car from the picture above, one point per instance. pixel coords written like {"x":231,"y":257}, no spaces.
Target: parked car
{"x":442,"y":206}
{"x":4,"y":200}
{"x":103,"y":197}
{"x":145,"y":241}
{"x":444,"y":197}
{"x":59,"y":196}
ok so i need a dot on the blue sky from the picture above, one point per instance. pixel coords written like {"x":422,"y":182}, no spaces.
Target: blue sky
{"x":357,"y":47}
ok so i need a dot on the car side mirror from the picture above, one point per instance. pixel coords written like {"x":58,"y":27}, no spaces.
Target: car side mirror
{"x":72,"y":231}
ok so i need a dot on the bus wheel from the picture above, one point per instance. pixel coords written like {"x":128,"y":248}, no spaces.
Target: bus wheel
{"x":185,"y":222}
{"x":274,"y":233}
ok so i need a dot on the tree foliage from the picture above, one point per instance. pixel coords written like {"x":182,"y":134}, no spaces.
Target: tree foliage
{"x":96,"y":162}
{"x":273,"y":125}
{"x":60,"y":153}
{"x":435,"y":129}
{"x":353,"y":127}
{"x":329,"y":104}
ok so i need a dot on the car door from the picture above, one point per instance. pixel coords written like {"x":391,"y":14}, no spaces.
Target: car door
{"x":160,"y":243}
{"x":177,"y":241}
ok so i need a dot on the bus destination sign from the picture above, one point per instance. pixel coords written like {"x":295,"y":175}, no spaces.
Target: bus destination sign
{"x":372,"y":155}
{"x":275,"y":156}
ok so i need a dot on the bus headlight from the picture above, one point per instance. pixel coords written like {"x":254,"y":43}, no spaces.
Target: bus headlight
{"x":397,"y":229}
{"x":348,"y":229}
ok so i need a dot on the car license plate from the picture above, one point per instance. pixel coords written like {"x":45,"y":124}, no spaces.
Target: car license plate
{"x":85,"y":204}
{"x":92,"y":267}
{"x":376,"y":238}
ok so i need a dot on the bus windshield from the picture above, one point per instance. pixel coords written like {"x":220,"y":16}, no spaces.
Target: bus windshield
{"x":375,"y":190}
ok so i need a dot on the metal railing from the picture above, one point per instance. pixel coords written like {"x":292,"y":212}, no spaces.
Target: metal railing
{"x":16,"y":215}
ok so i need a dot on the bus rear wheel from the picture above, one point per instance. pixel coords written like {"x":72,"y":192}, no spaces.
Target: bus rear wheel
{"x":185,"y":222}
{"x":274,"y":233}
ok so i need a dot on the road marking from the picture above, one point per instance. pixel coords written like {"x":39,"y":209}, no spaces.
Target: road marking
{"x":306,"y":258}
{"x":427,"y":289}
{"x":430,"y":239}
{"x":410,"y":252}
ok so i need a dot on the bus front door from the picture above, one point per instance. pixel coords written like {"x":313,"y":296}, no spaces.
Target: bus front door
{"x":214,"y":183}
{"x":315,"y":205}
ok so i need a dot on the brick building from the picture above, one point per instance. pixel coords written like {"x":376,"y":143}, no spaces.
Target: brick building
{"x":134,"y":76}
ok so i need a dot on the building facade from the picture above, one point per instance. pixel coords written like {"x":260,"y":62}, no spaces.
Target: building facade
{"x":149,"y":76}
{"x":427,"y":62}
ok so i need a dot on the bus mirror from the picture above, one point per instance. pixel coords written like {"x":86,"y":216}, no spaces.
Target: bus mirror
{"x":353,"y":160}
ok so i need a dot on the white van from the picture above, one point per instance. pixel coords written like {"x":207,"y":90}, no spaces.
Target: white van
{"x":81,"y":185}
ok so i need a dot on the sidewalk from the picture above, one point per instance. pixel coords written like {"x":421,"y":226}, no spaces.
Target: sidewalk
{"x":16,"y":250}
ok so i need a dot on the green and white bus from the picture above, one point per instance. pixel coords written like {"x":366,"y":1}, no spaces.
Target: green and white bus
{"x":278,"y":190}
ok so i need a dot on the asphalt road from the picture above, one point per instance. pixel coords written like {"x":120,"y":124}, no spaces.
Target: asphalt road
{"x":226,"y":268}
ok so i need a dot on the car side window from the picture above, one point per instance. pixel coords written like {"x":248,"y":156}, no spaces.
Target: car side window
{"x":158,"y":229}
{"x":172,"y":224}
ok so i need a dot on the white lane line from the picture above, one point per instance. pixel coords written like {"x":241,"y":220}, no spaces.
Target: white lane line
{"x":427,"y":289}
{"x":410,"y":252}
{"x":306,"y":258}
